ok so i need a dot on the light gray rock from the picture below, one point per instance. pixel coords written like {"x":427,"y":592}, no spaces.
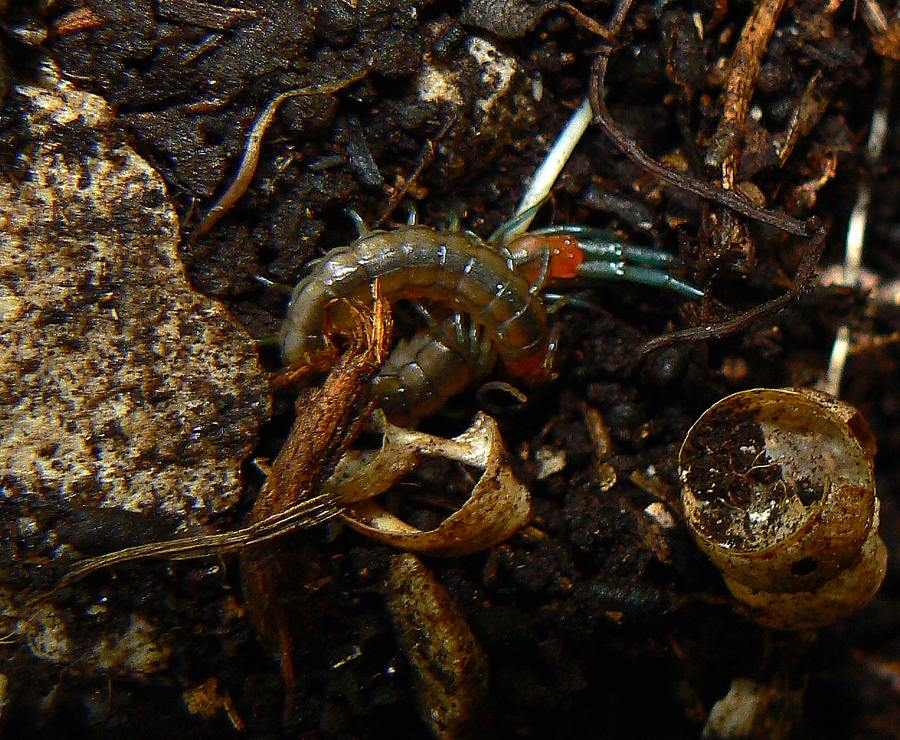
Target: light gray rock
{"x":120,"y":386}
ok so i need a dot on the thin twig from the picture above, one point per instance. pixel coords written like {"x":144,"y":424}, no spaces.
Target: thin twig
{"x":586,"y":22}
{"x":805,"y":273}
{"x":425,"y":159}
{"x":619,"y":15}
{"x":745,"y":65}
{"x":728,"y":198}
{"x":724,"y":153}
{"x":250,"y":158}
{"x":808,"y":111}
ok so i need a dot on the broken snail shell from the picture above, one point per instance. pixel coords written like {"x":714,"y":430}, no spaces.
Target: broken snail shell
{"x":778,"y":489}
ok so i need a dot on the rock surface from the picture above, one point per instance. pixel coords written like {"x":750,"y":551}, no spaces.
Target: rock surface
{"x":120,"y":386}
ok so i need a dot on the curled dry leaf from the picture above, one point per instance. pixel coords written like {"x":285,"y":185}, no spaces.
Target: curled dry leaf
{"x":450,"y":669}
{"x":779,"y":492}
{"x":497,"y":506}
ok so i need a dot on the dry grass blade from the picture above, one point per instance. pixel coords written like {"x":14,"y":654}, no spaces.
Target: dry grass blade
{"x":306,"y":514}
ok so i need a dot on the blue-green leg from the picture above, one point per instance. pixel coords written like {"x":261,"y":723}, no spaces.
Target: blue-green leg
{"x":620,"y":270}
{"x":607,"y":258}
{"x":361,"y":227}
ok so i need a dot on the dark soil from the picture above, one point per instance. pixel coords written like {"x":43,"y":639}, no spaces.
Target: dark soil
{"x":591,"y":629}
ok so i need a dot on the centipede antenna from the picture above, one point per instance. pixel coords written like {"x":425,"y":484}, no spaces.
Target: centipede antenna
{"x":553,"y":164}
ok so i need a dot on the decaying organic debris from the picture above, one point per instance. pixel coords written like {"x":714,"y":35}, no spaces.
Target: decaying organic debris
{"x":779,"y":492}
{"x":450,"y":668}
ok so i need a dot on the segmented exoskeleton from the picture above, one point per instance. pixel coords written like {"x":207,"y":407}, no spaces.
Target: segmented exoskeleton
{"x":491,"y":295}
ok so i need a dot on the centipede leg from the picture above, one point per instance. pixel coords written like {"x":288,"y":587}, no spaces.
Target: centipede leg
{"x":477,"y":345}
{"x":606,"y":257}
{"x":654,"y":277}
{"x":454,"y":221}
{"x":431,"y":322}
{"x":270,"y":340}
{"x":272,"y":284}
{"x":412,"y":213}
{"x":361,"y":227}
{"x":557,"y":301}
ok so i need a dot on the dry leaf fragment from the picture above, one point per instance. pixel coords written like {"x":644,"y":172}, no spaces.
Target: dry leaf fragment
{"x":497,"y":506}
{"x":450,"y":668}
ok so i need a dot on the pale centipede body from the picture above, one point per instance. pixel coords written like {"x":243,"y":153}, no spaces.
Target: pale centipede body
{"x":455,"y":270}
{"x":430,"y":367}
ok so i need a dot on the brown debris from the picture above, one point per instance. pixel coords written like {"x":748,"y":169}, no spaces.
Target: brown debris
{"x":701,"y":188}
{"x":450,"y":670}
{"x":601,"y":439}
{"x":744,"y":70}
{"x":498,"y":504}
{"x":209,"y":699}
{"x":76,"y":21}
{"x":885,"y":34}
{"x":323,"y":429}
{"x":724,"y":153}
{"x":803,"y":278}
